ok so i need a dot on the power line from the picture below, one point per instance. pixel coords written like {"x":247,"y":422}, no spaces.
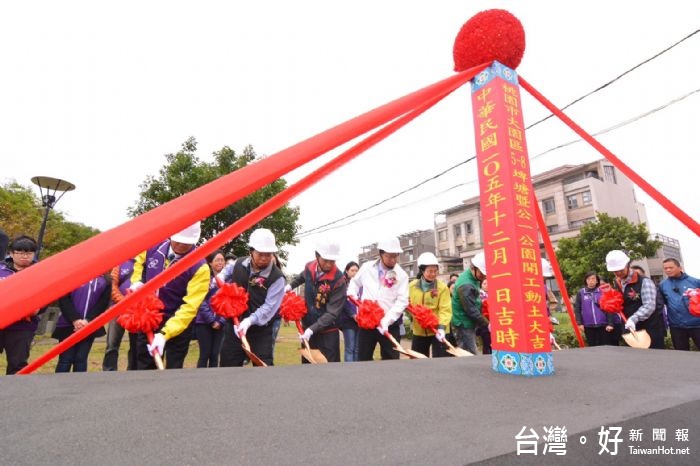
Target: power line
{"x":552,"y":149}
{"x":434,"y":177}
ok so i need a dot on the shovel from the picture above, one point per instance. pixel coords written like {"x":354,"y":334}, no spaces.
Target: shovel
{"x":312,"y":355}
{"x":636,"y":339}
{"x":407,"y":352}
{"x":456,"y":351}
{"x":246,"y":348}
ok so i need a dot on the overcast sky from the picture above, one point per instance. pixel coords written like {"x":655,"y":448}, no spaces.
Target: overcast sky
{"x":98,"y":92}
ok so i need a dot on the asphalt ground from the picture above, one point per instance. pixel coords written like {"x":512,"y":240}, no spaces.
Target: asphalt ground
{"x":436,"y":411}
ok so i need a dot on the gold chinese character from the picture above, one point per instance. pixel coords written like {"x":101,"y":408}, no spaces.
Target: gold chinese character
{"x":520,"y":174}
{"x":499,"y":255}
{"x":495,"y":199}
{"x":489,"y":141}
{"x":535,"y":312}
{"x":503,"y":295}
{"x":510,"y":100}
{"x":486,"y":109}
{"x":526,"y":240}
{"x":536,"y":327}
{"x":491,"y":168}
{"x":531,"y":267}
{"x":515,"y":144}
{"x":533,"y":297}
{"x":483,"y":94}
{"x":515,"y":133}
{"x":524,"y":214}
{"x":528,"y":254}
{"x":521,"y":188}
{"x":486,"y":125}
{"x":522,"y":201}
{"x":496,"y":219}
{"x":537,"y":342}
{"x":509,"y":337}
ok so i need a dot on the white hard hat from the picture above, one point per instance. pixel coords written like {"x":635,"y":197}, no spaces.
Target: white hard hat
{"x":328,"y":250}
{"x":616,"y":260}
{"x":479,"y":261}
{"x":427,"y":258}
{"x":390,"y":245}
{"x":547,"y":270}
{"x":262,"y":240}
{"x":189,"y":235}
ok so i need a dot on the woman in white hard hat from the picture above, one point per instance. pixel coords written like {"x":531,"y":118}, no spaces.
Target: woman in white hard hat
{"x":428,"y":291}
{"x":265,"y":282}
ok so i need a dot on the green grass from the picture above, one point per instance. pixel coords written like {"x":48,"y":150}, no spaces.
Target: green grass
{"x":286,"y":352}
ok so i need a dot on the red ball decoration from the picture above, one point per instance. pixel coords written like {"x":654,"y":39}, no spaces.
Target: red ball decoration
{"x":488,"y":36}
{"x":144,"y":316}
{"x":425,"y":317}
{"x":230,"y":301}
{"x":369,"y":314}
{"x":611,"y":300}
{"x":293,"y":307}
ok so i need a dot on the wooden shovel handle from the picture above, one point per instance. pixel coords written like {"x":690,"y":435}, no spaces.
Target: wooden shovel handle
{"x":156,"y":355}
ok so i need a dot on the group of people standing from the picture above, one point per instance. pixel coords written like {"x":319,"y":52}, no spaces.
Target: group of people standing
{"x":331,"y":298}
{"x":646,"y":306}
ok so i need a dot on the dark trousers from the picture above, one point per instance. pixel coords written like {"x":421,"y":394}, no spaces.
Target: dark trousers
{"x":115,"y":335}
{"x":75,"y":357}
{"x":209,"y":344}
{"x":16,"y":344}
{"x":681,"y":338}
{"x":327,"y":343}
{"x":367,"y":341}
{"x":596,"y":336}
{"x":613,"y":338}
{"x":485,"y":335}
{"x":175,"y":351}
{"x":423,"y":345}
{"x":657,"y":334}
{"x":259,"y":338}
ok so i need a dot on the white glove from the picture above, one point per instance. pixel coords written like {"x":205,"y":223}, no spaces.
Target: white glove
{"x":287,"y":288}
{"x":243,"y":327}
{"x":440,"y":335}
{"x":157,"y":344}
{"x":384,"y":325}
{"x":135,"y":286}
{"x":629,"y":325}
{"x":306,"y":335}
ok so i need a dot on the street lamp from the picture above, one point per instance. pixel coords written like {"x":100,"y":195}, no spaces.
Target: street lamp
{"x":48,"y":187}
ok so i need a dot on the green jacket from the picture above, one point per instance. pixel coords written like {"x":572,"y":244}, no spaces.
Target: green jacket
{"x":466,"y":302}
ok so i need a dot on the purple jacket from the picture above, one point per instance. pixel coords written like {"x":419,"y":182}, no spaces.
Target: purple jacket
{"x":588,"y":312}
{"x":205,"y":314}
{"x":172,"y":292}
{"x":85,"y":302}
{"x":125,"y":271}
{"x":7,"y":269}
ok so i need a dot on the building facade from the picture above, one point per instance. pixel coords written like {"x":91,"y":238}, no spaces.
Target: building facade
{"x":413,"y":244}
{"x":569,"y":197}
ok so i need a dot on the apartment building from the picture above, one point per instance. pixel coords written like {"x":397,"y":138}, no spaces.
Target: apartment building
{"x":413,"y":244}
{"x":569,"y":196}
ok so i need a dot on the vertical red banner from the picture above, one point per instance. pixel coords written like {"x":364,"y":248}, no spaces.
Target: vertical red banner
{"x":517,"y":297}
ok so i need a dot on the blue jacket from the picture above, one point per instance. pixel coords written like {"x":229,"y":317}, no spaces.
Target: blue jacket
{"x":672,"y":290}
{"x":205,"y":314}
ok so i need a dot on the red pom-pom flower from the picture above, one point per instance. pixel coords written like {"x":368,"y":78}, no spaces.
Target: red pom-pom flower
{"x":425,"y":317}
{"x":369,"y":314}
{"x":230,"y":301}
{"x":293,"y":307}
{"x":611,"y":300}
{"x":485,"y":307}
{"x":488,"y":36}
{"x":144,"y":316}
{"x":694,"y":301}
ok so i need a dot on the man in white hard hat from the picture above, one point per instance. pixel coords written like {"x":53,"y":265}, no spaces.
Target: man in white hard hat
{"x":325,"y":293}
{"x":384,"y":281}
{"x":640,"y":306}
{"x":264,"y":281}
{"x":466,"y":304}
{"x":181,"y":296}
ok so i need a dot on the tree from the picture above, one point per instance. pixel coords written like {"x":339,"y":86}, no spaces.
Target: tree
{"x":184,"y":172}
{"x":21,"y":213}
{"x":587,"y":252}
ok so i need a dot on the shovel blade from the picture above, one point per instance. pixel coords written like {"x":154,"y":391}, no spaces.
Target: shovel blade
{"x":314,"y":356}
{"x":458,"y":352}
{"x":638,"y":339}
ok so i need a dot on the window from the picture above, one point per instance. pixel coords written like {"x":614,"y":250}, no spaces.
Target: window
{"x":410,"y":241}
{"x":572,"y":201}
{"x":460,"y":247}
{"x":442,"y":235}
{"x":410,"y":255}
{"x":610,"y":174}
{"x":444,"y":252}
{"x":586,"y":198}
{"x":458,"y":231}
{"x":468,"y":228}
{"x":548,"y":206}
{"x":552,"y":228}
{"x":579,"y":223}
